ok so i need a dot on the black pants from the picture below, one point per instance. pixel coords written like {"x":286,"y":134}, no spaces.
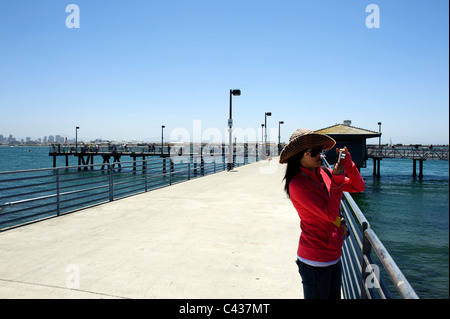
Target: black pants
{"x":320,"y":282}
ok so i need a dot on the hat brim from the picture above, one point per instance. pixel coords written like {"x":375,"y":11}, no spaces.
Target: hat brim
{"x":304,"y":142}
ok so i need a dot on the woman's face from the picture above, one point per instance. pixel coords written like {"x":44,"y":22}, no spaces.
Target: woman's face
{"x":311,"y":160}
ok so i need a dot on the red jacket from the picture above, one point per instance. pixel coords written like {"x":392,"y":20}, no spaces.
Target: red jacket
{"x":318,"y":208}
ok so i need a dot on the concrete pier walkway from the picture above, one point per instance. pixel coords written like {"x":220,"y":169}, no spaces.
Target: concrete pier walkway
{"x":228,"y":235}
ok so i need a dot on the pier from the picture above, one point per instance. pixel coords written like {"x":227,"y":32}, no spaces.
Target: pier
{"x":87,"y":154}
{"x":415,"y":153}
{"x":228,"y":235}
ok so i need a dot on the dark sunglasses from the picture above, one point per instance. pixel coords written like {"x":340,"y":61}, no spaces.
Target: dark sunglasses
{"x":315,"y":152}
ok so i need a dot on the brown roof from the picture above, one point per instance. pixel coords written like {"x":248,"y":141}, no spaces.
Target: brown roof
{"x":341,"y":129}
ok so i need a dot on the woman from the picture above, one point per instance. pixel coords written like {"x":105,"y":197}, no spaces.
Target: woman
{"x":316,"y":195}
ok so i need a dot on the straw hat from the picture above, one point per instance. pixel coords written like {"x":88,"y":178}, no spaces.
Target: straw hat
{"x":303,"y":139}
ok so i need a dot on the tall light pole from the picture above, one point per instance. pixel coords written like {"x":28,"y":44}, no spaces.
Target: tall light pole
{"x":262,"y":135}
{"x":76,"y":138}
{"x":379,"y":138}
{"x":279,"y":135}
{"x":265,"y":131}
{"x":162,"y":138}
{"x":230,"y":130}
{"x":262,"y":141}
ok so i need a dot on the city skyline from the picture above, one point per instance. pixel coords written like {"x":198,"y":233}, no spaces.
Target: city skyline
{"x":121,"y":69}
{"x":46,"y":139}
{"x":61,"y":139}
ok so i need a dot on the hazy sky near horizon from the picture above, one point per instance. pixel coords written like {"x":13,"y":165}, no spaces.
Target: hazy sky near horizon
{"x":135,"y":65}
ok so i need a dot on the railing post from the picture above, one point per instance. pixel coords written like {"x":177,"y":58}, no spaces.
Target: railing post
{"x":145,"y":174}
{"x":202,"y":166}
{"x":111,"y":183}
{"x":366,"y":249}
{"x":189,"y":170}
{"x":58,"y":202}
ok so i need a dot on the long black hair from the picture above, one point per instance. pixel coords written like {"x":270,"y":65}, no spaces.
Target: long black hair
{"x":292,"y":169}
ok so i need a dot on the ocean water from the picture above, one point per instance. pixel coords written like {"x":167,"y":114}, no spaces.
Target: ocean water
{"x":411,"y":218}
{"x":409,"y":215}
{"x":24,"y":158}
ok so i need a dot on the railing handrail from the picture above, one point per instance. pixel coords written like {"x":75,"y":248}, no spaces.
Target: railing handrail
{"x":438,"y":153}
{"x":365,"y":239}
{"x":356,"y":210}
{"x":57,"y":189}
{"x":394,"y":272}
{"x":195,"y":156}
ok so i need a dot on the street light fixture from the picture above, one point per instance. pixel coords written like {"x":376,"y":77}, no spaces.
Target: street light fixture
{"x":230,"y":129}
{"x":265,"y":130}
{"x":279,"y":135}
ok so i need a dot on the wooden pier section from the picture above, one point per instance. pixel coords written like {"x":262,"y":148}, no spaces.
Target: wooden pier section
{"x":415,"y":153}
{"x":87,"y":158}
{"x":113,"y":155}
{"x":86,"y":155}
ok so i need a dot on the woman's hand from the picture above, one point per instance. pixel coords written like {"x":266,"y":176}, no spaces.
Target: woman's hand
{"x":344,"y":150}
{"x":338,"y":167}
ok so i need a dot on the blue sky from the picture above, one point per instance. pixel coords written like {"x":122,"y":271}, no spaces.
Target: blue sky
{"x":135,"y":65}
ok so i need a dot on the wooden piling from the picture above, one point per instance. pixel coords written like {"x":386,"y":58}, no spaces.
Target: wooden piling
{"x":376,"y":166}
{"x":421,"y":160}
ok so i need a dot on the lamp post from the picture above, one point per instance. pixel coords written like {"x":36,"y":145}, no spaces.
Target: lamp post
{"x":279,"y":135}
{"x":262,"y":135}
{"x":162,"y":138}
{"x":262,"y":140}
{"x":379,"y":138}
{"x":265,"y":131}
{"x":230,"y":129}
{"x":76,"y":138}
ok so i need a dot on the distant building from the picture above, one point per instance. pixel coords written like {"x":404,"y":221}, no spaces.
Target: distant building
{"x":352,"y":137}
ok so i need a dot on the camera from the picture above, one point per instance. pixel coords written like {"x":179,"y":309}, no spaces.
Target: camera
{"x":340,"y":156}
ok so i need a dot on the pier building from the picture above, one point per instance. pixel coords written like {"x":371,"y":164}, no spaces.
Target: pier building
{"x":352,"y":137}
{"x":355,"y":140}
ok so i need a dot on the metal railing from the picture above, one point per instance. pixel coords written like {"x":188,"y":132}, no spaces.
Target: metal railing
{"x":30,"y":195}
{"x":362,"y":277}
{"x":433,"y":153}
